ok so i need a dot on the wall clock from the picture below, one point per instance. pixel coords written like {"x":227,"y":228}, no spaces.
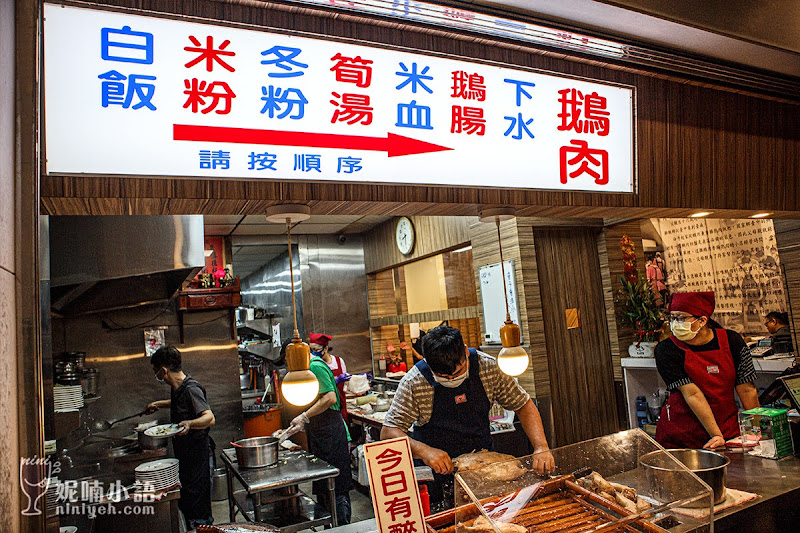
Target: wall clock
{"x":404,"y":235}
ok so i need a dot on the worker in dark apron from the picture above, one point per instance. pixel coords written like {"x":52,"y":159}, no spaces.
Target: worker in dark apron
{"x":459,"y":422}
{"x":193,"y":447}
{"x":702,"y":367}
{"x":320,"y":346}
{"x":446,"y":398}
{"x":328,"y":439}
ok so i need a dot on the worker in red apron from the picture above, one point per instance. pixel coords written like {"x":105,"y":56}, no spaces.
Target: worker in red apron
{"x":319,"y":344}
{"x":702,"y":367}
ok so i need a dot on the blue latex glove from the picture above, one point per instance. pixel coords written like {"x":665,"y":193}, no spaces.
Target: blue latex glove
{"x":341,"y":378}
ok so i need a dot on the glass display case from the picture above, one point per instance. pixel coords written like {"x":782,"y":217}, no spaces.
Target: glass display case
{"x":601,"y":484}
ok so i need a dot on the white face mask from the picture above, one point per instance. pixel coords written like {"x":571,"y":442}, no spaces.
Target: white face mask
{"x":683,"y":330}
{"x":452,"y":383}
{"x":160,"y":380}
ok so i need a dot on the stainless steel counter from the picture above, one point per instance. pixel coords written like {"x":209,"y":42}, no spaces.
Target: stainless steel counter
{"x":288,"y":508}
{"x":778,"y":485}
{"x":292,"y":468}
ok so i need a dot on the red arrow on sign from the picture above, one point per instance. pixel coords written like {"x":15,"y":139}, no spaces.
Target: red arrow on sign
{"x":394,"y":145}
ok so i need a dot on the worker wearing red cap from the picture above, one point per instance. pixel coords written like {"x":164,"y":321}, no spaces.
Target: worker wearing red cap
{"x":327,"y":433}
{"x":320,"y":346}
{"x":702,"y":366}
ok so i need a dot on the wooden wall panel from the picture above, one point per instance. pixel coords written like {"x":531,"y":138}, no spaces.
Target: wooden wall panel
{"x":698,"y":146}
{"x":611,"y":268}
{"x":433,"y":236}
{"x":581,"y":375}
{"x":517,"y":240}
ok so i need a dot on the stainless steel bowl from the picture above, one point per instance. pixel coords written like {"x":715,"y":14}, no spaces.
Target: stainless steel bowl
{"x":257,"y":452}
{"x":148,"y":442}
{"x":669,"y":480}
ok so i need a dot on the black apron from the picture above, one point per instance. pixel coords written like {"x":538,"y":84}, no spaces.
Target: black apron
{"x":192,"y":451}
{"x":327,"y":439}
{"x":459,"y":422}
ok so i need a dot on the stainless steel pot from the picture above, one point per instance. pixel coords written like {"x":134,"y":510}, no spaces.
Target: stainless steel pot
{"x":256,"y":452}
{"x":148,"y":442}
{"x":669,"y":481}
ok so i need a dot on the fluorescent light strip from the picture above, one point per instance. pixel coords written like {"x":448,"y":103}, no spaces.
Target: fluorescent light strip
{"x":700,"y":214}
{"x":760,"y":215}
{"x":478,"y":22}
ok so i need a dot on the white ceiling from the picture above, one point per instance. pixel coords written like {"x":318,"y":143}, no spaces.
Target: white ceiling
{"x":236,"y":225}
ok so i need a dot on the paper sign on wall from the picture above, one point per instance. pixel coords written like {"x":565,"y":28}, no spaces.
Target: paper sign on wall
{"x":393,"y":484}
{"x":135,"y":95}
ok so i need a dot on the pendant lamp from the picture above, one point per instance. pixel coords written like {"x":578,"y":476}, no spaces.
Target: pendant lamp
{"x":512,"y":359}
{"x":300,"y":386}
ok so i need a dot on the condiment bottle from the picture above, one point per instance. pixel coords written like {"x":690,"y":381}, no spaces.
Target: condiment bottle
{"x":382,"y":366}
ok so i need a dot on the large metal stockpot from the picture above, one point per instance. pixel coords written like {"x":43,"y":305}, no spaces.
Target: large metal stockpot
{"x":256,"y":452}
{"x":667,"y":477}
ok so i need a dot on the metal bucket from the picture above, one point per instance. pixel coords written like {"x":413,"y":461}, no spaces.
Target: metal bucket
{"x":220,"y":480}
{"x":669,"y":481}
{"x":257,"y":452}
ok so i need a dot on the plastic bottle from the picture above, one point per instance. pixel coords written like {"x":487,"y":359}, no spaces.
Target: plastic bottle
{"x":425,"y":498}
{"x":382,"y":366}
{"x":641,"y":410}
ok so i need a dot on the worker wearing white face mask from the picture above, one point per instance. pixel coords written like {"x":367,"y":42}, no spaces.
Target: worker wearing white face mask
{"x":447,"y":397}
{"x":702,"y":366}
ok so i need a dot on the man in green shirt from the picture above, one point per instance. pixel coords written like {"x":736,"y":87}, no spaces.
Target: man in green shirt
{"x":327,"y":438}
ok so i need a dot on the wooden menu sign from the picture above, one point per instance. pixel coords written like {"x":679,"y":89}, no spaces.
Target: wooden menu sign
{"x":393,"y":484}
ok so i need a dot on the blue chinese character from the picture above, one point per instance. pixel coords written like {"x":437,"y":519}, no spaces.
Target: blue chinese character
{"x":284,"y":59}
{"x":348,"y":165}
{"x":405,"y":6}
{"x":521,"y":89}
{"x":413,"y":116}
{"x":211,"y":159}
{"x":275,"y":96}
{"x":263,"y":161}
{"x":132,"y":46}
{"x":509,"y":24}
{"x":307,"y":162}
{"x":414,"y":78}
{"x":114,"y":92}
{"x":520,"y":124}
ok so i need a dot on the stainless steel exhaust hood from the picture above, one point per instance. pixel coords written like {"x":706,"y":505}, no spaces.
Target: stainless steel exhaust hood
{"x":102,"y":263}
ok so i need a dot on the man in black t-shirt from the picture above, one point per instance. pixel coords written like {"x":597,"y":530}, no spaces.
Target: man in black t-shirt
{"x":190,"y":410}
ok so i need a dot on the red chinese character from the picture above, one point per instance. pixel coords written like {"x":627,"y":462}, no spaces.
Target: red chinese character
{"x":197,"y":92}
{"x":456,"y":14}
{"x":399,"y":506}
{"x":595,"y":116}
{"x":584,"y":156}
{"x":354,"y":108}
{"x":389,"y":455}
{"x":352,"y":70}
{"x":468,"y":120}
{"x":468,"y":86}
{"x":209,"y":54}
{"x":403,"y":527}
{"x":395,"y":478}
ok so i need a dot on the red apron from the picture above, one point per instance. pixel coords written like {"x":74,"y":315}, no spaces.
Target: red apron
{"x":340,"y":387}
{"x":715,"y":374}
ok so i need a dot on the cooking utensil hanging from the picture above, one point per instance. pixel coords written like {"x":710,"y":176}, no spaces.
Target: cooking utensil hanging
{"x":102,"y":425}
